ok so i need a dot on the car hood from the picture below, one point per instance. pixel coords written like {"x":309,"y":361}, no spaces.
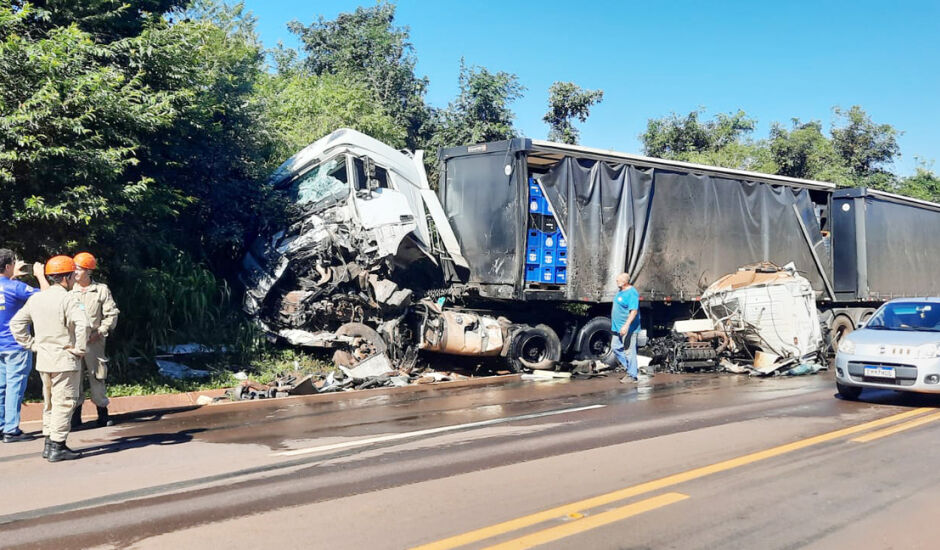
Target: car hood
{"x":867,"y":337}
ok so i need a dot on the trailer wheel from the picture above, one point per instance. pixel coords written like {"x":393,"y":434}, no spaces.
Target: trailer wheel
{"x":594,"y":342}
{"x":535,"y":347}
{"x":841,"y":327}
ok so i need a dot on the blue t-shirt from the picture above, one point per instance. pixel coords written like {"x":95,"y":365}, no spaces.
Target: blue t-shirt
{"x":13,"y":295}
{"x":624,"y":302}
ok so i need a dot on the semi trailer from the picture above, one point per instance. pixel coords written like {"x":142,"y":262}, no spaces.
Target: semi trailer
{"x":516,"y":253}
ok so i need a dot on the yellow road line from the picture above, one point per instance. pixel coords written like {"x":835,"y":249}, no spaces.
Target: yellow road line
{"x":899,"y":428}
{"x":655,"y":485}
{"x":590,"y":522}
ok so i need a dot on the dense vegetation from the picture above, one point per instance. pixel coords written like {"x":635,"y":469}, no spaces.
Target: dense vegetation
{"x":143,"y":130}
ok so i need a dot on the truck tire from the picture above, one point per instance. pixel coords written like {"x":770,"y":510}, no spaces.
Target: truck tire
{"x":535,"y":347}
{"x":594,"y":342}
{"x":371,"y":338}
{"x":840,"y":328}
{"x":849,"y":393}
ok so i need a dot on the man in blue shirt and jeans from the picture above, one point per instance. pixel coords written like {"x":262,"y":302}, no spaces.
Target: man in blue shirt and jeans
{"x":15,"y":361}
{"x":625,"y":325}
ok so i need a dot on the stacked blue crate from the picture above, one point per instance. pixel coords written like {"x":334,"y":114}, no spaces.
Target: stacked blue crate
{"x":546,"y":249}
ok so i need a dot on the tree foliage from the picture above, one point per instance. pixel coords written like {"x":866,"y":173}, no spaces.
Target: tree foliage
{"x":567,"y":101}
{"x":857,"y":151}
{"x":481,"y":112}
{"x":680,"y":137}
{"x":368,"y":48}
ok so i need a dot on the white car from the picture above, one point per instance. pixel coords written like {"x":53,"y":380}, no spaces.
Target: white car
{"x":898,"y":348}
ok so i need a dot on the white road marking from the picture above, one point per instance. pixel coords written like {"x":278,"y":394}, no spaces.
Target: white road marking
{"x":430,"y":431}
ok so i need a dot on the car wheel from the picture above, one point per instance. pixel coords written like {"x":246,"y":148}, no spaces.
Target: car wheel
{"x":849,"y":393}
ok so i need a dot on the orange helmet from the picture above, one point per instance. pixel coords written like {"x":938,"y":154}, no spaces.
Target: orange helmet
{"x":85,"y":260}
{"x":59,"y":265}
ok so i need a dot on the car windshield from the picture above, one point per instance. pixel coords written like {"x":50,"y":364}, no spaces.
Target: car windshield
{"x":325,"y":183}
{"x":908,"y":316}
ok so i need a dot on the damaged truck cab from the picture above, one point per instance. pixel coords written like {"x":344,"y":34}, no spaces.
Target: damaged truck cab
{"x":362,"y":257}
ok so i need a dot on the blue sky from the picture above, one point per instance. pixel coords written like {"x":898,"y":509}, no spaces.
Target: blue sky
{"x":774,"y":60}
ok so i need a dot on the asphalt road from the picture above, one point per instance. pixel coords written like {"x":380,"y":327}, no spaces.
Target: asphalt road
{"x":685,"y":461}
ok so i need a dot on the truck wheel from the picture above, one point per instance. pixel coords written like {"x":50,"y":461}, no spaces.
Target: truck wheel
{"x":849,"y":393}
{"x":841,"y":327}
{"x":594,"y":341}
{"x":367,"y":343}
{"x":535,"y":347}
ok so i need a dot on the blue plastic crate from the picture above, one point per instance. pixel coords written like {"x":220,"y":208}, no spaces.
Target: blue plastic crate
{"x":533,"y":273}
{"x":548,"y":256}
{"x":548,"y":274}
{"x":534,"y":239}
{"x":561,"y":275}
{"x":548,"y":241}
{"x":561,"y":257}
{"x":562,"y":242}
{"x":534,"y":189}
{"x":535,"y":205}
{"x":543,"y":204}
{"x":533,"y":255}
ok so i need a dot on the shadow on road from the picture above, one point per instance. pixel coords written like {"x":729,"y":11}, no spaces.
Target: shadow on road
{"x":137,"y":441}
{"x":901,"y":399}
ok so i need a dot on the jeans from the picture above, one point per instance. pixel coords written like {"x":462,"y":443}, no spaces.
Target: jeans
{"x":14,"y":370}
{"x":627,"y":357}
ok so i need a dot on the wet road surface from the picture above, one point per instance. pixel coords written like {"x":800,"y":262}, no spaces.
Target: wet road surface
{"x":685,"y":461}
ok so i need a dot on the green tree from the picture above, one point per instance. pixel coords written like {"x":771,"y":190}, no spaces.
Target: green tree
{"x":566,"y":101}
{"x":866,"y":148}
{"x":367,"y":47}
{"x":136,"y":135}
{"x":678,"y":137}
{"x":70,"y":119}
{"x":481,"y":112}
{"x":805,"y":152}
{"x":923,"y":184}
{"x":301,"y":108}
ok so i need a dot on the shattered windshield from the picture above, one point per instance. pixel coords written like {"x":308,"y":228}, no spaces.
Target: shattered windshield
{"x":912,"y":316}
{"x":325,"y":183}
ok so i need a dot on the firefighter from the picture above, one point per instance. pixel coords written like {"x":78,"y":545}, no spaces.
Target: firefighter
{"x":95,"y":299}
{"x":61,"y":331}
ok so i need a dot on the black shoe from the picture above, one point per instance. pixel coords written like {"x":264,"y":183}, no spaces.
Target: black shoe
{"x":77,"y":418}
{"x":14,"y":437}
{"x":46,"y":448}
{"x":59,"y":452}
{"x":104,"y":419}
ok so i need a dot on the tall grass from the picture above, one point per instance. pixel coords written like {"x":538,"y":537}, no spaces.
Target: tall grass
{"x":179,"y":303}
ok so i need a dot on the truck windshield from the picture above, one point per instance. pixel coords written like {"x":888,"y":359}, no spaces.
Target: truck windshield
{"x":325,"y":183}
{"x":910,"y":316}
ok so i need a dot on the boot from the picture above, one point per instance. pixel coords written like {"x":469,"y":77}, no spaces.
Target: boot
{"x":58,"y":452}
{"x":45,"y":449}
{"x":77,"y":418}
{"x":104,"y":419}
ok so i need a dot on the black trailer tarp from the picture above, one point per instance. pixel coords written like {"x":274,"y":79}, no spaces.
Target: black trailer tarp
{"x":675,"y":232}
{"x":487,"y":210}
{"x":901,"y":242}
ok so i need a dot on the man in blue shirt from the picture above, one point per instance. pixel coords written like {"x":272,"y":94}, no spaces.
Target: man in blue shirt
{"x":15,"y":361}
{"x":625,"y":325}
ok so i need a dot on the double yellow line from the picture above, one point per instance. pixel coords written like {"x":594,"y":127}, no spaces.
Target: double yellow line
{"x":578,"y":522}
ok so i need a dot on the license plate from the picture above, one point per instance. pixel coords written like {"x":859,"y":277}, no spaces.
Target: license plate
{"x":879,"y":372}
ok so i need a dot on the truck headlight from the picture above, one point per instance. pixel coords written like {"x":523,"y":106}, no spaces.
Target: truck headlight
{"x":928,"y":351}
{"x":847,"y":346}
